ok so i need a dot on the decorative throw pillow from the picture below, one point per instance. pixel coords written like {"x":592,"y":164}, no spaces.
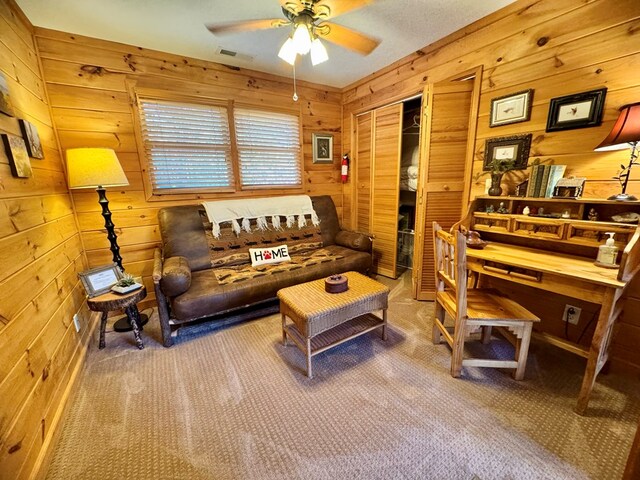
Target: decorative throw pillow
{"x":264,"y":256}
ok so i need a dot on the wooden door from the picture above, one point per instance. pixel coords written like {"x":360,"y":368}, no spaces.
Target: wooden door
{"x":385,"y":187}
{"x":450,"y":112}
{"x":362,"y":173}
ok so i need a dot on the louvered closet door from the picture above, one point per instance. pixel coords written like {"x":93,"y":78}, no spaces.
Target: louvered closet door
{"x":387,"y":135}
{"x":362,"y":173}
{"x":442,"y":173}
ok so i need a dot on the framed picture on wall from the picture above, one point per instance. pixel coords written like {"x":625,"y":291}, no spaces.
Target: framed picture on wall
{"x":5,"y":99}
{"x":512,"y":108}
{"x":16,"y":151}
{"x":31,"y":139}
{"x":508,"y":149}
{"x":576,"y":111}
{"x":322,"y":147}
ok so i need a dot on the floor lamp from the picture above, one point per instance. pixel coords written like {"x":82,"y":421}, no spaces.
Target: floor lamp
{"x":99,"y":168}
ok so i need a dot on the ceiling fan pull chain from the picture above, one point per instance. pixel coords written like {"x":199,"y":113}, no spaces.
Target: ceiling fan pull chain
{"x":295,"y":93}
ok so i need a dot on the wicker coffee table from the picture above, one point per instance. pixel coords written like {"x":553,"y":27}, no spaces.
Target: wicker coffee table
{"x":324,"y":320}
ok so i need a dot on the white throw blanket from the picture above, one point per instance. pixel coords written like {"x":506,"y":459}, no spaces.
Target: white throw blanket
{"x":259,"y":209}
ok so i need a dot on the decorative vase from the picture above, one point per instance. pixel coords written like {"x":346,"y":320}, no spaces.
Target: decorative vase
{"x":495,"y":190}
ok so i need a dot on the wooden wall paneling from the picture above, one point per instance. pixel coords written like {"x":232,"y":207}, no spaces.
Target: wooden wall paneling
{"x":556,"y":48}
{"x":385,"y":186}
{"x":40,"y":257}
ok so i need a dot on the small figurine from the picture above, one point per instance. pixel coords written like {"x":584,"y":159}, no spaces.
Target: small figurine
{"x":490,"y":209}
{"x":566,"y":214}
{"x":502,"y":208}
{"x":526,"y":210}
{"x":592,"y":215}
{"x":541,"y":211}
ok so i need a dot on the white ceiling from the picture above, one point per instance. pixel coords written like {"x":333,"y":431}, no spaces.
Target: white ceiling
{"x":177,"y":26}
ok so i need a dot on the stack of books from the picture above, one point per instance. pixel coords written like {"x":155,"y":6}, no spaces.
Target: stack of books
{"x":543,"y":179}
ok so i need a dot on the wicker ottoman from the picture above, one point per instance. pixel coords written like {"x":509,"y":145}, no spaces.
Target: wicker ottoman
{"x":324,"y":320}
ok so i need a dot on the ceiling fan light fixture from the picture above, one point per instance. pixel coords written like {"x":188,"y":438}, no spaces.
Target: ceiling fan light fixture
{"x":288,"y":52}
{"x":302,"y":39}
{"x":318,"y":52}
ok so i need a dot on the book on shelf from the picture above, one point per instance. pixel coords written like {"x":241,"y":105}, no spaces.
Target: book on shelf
{"x":540,"y":192}
{"x":556,"y":173}
{"x":533,"y":176}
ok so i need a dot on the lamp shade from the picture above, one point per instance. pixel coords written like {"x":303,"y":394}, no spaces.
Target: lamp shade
{"x":302,"y":39}
{"x":288,"y":52}
{"x":626,"y":130}
{"x":94,"y":167}
{"x":318,"y":52}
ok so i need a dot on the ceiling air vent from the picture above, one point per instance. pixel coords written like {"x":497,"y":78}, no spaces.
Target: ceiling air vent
{"x":231,"y":53}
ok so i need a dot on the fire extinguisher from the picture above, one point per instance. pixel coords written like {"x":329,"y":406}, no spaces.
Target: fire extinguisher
{"x":345,"y":168}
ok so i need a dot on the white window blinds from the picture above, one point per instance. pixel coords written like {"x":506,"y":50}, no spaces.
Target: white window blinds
{"x":188,"y":145}
{"x":268,"y":147}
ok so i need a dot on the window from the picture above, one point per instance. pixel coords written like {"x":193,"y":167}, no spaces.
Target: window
{"x":268,"y":147}
{"x":188,"y":146}
{"x":191,"y":147}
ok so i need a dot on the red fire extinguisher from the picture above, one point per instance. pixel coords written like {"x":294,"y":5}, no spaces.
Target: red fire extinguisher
{"x":345,"y":168}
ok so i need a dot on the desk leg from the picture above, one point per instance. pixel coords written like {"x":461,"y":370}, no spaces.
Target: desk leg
{"x":599,"y":348}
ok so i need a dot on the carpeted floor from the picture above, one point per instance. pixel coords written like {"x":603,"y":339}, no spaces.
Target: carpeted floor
{"x":233,"y":403}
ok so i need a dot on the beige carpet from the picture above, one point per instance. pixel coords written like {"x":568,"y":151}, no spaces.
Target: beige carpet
{"x":233,"y":403}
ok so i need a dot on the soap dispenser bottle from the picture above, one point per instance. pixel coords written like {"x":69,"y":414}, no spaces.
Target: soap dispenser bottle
{"x":608,"y":253}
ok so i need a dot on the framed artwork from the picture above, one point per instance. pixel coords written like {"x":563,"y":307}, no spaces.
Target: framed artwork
{"x":5,"y":100}
{"x":508,"y":149}
{"x":576,"y":111}
{"x":322,"y":147}
{"x":31,"y":139}
{"x":17,"y":154}
{"x":99,"y":280}
{"x":512,"y":108}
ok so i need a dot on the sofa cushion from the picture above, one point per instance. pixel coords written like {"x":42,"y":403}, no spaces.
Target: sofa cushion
{"x":241,"y":273}
{"x":207,"y":296}
{"x":231,"y":248}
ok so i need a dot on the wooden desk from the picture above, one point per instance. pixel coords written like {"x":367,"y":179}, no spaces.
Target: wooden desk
{"x":557,"y":255}
{"x":569,"y":275}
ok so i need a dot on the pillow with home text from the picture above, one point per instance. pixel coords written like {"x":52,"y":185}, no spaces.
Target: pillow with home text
{"x":267,"y":255}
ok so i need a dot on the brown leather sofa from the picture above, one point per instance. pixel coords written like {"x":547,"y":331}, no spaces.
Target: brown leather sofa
{"x":188,"y":288}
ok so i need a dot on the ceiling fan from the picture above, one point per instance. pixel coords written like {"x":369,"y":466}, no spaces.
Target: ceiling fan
{"x":308,"y":21}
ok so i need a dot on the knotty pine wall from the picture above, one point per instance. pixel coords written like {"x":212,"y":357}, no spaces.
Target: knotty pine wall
{"x":40,"y":256}
{"x":87,"y":80}
{"x":556,"y":47}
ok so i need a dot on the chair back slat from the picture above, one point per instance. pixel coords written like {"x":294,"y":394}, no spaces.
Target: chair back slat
{"x":451,"y":265}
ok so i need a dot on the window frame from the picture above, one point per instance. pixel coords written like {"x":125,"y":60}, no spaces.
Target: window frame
{"x":236,"y":189}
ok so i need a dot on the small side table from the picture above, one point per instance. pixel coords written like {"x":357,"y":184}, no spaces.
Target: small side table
{"x":110,"y":301}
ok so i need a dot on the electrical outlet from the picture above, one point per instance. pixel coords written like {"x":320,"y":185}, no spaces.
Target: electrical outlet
{"x":571,"y":314}
{"x":76,"y":322}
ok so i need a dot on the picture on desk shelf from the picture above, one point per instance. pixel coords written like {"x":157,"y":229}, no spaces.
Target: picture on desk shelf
{"x":31,"y":139}
{"x":16,"y":151}
{"x":99,"y":280}
{"x":580,"y":110}
{"x":5,"y":99}
{"x":322,"y":147}
{"x":513,"y":108}
{"x":508,"y":149}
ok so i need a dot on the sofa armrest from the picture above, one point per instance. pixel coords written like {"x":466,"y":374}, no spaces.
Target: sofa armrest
{"x":357,"y":241}
{"x":176,"y":276}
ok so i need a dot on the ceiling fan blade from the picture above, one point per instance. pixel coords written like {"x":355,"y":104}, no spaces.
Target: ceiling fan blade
{"x":347,"y":38}
{"x":339,"y":7}
{"x":233,"y":27}
{"x":293,"y":6}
